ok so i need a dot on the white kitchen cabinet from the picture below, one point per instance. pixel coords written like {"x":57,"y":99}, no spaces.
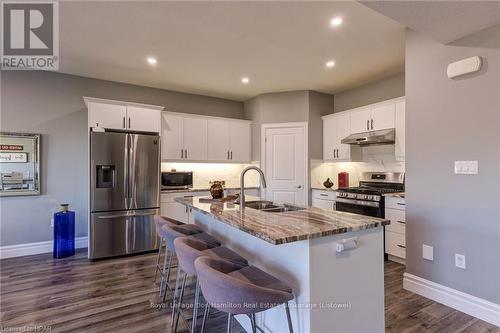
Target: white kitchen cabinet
{"x":175,"y":211}
{"x":110,"y":116}
{"x":395,"y":232}
{"x":240,"y":134}
{"x":324,"y":199}
{"x":400,"y":131}
{"x":335,"y":128}
{"x":143,"y":119}
{"x":121,"y":115}
{"x":172,"y":139}
{"x":360,"y":120}
{"x":195,"y":139}
{"x":218,"y":140}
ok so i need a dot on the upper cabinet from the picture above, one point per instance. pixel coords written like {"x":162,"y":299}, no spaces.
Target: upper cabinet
{"x":384,"y":115}
{"x":373,"y":117}
{"x":400,"y":131}
{"x":201,"y":138}
{"x":120,"y":115}
{"x":335,"y":128}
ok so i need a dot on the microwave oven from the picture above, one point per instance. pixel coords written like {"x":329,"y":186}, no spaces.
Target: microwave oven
{"x":176,"y":180}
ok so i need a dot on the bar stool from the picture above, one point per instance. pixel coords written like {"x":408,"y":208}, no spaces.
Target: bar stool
{"x":170,"y":233}
{"x":159,"y":222}
{"x":188,"y":250}
{"x":231,"y":289}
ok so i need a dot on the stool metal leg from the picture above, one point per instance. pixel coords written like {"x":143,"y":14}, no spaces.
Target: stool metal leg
{"x":181,"y":296}
{"x":175,"y":295}
{"x":165,"y":260}
{"x":254,"y":325}
{"x":195,"y":306}
{"x":289,"y":318}
{"x":158,"y":259}
{"x":229,"y":322}
{"x":205,"y":317}
{"x":167,"y":276}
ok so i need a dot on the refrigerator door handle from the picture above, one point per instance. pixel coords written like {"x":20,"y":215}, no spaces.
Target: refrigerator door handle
{"x":125,"y":171}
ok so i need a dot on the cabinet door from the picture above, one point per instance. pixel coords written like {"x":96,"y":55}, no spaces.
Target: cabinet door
{"x":360,"y":120}
{"x":240,"y":141}
{"x":218,"y":140}
{"x":107,"y":115}
{"x":400,"y":131}
{"x":172,"y":137}
{"x":329,"y":138}
{"x":323,"y":204}
{"x":143,"y":119}
{"x":175,"y":211}
{"x":343,"y":131}
{"x":195,"y":138}
{"x":382,"y":116}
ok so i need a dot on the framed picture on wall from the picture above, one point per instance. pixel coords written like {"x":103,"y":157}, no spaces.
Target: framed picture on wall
{"x":19,"y":164}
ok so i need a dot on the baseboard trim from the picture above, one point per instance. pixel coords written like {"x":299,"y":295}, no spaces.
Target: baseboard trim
{"x":20,"y":250}
{"x":471,"y":305}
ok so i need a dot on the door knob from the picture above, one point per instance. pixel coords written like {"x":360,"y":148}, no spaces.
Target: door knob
{"x":300,"y":186}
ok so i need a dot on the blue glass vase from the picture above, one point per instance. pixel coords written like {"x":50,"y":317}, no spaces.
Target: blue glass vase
{"x":64,"y":233}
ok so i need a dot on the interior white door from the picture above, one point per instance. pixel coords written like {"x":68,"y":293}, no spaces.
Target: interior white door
{"x":382,"y":116}
{"x":172,"y":137}
{"x":195,"y":138}
{"x":143,"y":119}
{"x":240,"y":136}
{"x":329,"y":138}
{"x":218,"y":140}
{"x":343,"y":131}
{"x":360,"y":120}
{"x":285,"y":164}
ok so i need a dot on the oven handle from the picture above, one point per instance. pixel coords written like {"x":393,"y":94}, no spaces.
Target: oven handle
{"x":359,"y":202}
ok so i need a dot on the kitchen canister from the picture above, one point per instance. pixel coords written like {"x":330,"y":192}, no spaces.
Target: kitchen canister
{"x":64,"y":232}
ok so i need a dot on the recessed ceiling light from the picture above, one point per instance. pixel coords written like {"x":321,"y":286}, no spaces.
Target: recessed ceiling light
{"x":336,"y":21}
{"x":152,"y":61}
{"x":245,"y":80}
{"x":330,"y":64}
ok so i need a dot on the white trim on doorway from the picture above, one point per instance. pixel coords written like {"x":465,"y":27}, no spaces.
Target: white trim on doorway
{"x":27,"y":249}
{"x":471,"y":305}
{"x":303,"y":125}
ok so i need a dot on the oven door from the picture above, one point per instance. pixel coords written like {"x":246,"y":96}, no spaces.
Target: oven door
{"x":368,"y":208}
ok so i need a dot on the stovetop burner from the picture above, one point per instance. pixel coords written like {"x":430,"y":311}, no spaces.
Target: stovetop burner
{"x":369,"y":190}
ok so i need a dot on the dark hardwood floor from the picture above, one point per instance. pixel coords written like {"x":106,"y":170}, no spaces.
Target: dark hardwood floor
{"x":118,"y":295}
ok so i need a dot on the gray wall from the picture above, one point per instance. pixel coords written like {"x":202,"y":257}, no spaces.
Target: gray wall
{"x":319,"y":105}
{"x":373,"y":92}
{"x":52,"y":104}
{"x":448,"y":120}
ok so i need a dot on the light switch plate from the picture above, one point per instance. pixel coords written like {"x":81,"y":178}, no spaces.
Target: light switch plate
{"x":466,"y":167}
{"x":460,"y":260}
{"x":428,"y":252}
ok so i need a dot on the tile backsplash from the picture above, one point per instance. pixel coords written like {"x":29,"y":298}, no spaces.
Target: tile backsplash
{"x":203,"y":173}
{"x":375,"y":159}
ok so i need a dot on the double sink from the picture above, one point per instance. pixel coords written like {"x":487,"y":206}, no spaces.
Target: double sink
{"x":271,"y":207}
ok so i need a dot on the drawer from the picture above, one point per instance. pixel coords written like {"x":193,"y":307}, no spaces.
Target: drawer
{"x":398,"y":220}
{"x":169,"y":197}
{"x":395,"y":203}
{"x":325,"y":195}
{"x":395,"y":244}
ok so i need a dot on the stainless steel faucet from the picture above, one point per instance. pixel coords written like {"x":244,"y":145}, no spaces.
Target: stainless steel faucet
{"x":242,"y":183}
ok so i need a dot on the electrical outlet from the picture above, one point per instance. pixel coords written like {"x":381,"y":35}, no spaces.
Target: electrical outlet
{"x":428,"y":252}
{"x":460,"y":260}
{"x":466,"y":168}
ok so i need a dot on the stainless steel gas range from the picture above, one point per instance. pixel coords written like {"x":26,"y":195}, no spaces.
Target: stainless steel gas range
{"x":368,"y":199}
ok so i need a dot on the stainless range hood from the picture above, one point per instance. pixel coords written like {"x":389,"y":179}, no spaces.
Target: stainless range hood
{"x":380,"y":137}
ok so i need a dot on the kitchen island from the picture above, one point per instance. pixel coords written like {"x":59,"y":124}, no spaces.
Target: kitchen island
{"x":334,"y":291}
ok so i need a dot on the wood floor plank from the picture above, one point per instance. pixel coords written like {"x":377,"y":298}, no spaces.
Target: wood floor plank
{"x":119,"y":295}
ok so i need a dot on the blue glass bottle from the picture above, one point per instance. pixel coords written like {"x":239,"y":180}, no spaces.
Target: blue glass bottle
{"x":64,"y":233}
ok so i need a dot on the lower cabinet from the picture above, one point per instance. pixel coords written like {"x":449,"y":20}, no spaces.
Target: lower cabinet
{"x":324,"y":199}
{"x":395,"y":233}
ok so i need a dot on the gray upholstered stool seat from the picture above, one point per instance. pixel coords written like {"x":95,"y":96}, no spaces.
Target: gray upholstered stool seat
{"x":235,"y":290}
{"x":188,"y":249}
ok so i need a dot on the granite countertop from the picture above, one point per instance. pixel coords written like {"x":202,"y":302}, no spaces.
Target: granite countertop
{"x":286,"y":227}
{"x":200,"y":189}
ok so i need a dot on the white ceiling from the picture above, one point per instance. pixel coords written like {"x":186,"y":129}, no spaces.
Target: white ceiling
{"x":207,"y":47}
{"x":445,"y":21}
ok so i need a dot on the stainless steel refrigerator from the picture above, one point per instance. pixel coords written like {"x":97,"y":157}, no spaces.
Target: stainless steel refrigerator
{"x":124,"y":193}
